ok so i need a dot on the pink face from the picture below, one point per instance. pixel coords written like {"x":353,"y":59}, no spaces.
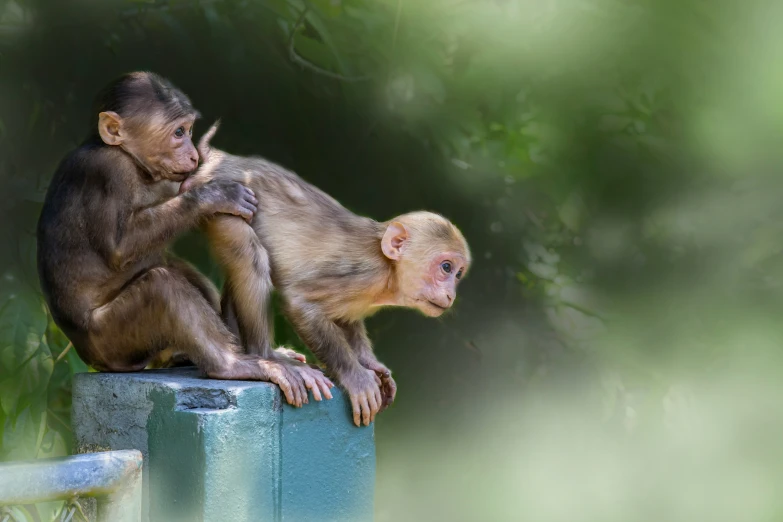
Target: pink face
{"x":439,"y":284}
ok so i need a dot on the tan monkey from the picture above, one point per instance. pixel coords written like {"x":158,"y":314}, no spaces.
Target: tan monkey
{"x":331,"y":267}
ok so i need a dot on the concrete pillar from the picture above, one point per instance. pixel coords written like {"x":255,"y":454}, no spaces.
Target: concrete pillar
{"x":229,"y":450}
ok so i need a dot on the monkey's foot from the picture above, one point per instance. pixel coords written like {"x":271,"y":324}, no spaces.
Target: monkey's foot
{"x":364,"y":389}
{"x":315,"y":381}
{"x":295,"y":378}
{"x":388,"y":386}
{"x":291,"y":353}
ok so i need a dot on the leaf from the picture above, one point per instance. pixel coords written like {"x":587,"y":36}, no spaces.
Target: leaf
{"x":52,"y":445}
{"x":330,"y":8}
{"x":25,"y":359}
{"x":326,"y":36}
{"x":20,"y":437}
{"x":28,"y":379}
{"x":75,"y":363}
{"x":315,"y":52}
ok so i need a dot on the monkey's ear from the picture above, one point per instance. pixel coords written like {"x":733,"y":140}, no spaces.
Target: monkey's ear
{"x":110,"y":128}
{"x":394,"y":240}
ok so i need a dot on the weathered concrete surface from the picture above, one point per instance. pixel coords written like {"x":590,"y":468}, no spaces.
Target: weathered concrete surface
{"x":229,"y":450}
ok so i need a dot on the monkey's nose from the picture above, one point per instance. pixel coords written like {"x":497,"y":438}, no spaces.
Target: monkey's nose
{"x":444,"y":302}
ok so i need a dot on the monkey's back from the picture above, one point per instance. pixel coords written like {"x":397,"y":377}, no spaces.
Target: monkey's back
{"x":294,"y":221}
{"x":66,"y":258}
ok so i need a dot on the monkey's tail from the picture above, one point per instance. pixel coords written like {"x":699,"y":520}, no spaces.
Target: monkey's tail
{"x":203,"y":143}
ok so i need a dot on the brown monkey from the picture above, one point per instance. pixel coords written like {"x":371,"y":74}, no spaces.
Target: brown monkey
{"x":110,"y":210}
{"x":331,"y":267}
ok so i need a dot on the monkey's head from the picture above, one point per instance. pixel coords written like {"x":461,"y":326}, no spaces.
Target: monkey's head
{"x":152,"y":121}
{"x":430,"y":256}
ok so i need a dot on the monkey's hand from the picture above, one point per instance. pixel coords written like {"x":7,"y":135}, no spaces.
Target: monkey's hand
{"x":388,"y":386}
{"x":363,"y":387}
{"x":222,"y":196}
{"x":291,"y":353}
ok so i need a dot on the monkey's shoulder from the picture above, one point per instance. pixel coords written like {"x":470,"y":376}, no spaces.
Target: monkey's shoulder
{"x":95,"y":163}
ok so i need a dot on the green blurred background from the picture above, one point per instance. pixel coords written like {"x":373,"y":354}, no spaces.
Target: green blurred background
{"x":614,"y":354}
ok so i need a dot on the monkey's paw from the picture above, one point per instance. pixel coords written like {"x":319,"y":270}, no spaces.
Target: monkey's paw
{"x":315,"y":381}
{"x":364,"y":389}
{"x":388,"y":386}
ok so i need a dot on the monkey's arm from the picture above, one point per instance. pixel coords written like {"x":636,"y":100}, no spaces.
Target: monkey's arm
{"x":328,"y":342}
{"x":124,"y":235}
{"x":356,"y":334}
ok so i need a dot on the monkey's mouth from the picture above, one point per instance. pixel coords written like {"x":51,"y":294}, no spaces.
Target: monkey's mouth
{"x":439,"y":307}
{"x":178,"y":176}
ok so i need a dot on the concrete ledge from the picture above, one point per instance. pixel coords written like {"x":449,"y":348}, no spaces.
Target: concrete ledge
{"x":229,"y":450}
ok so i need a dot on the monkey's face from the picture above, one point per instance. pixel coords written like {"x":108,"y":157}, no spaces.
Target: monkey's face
{"x":162,"y":146}
{"x":431,"y":287}
{"x":169,"y":150}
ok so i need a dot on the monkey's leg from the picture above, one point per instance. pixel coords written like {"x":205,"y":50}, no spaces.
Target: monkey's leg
{"x":247,"y":297}
{"x":228,"y":313}
{"x":197,"y":279}
{"x":356,"y":335}
{"x":328,"y":342}
{"x":171,"y":357}
{"x":162,"y":308}
{"x":230,"y":318}
{"x":312,"y":377}
{"x":248,"y":288}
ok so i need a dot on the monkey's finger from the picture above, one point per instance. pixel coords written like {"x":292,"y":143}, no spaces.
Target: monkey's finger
{"x":249,"y":206}
{"x":381,"y":370}
{"x":391,"y":386}
{"x":251,"y":195}
{"x":301,"y":391}
{"x":326,"y":379}
{"x":372,"y":399}
{"x":250,"y":202}
{"x":377,"y":380}
{"x":365,"y":409}
{"x":244,"y":213}
{"x":322,"y":382}
{"x":293,"y":381}
{"x":313,"y":387}
{"x":378,"y":401}
{"x":356,"y":410}
{"x":286,"y":388}
{"x":297,"y":356}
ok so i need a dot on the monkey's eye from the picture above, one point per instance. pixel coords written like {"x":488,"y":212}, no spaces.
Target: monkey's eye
{"x":459,"y":274}
{"x":179,"y":132}
{"x":446,"y":266}
{"x":190,"y":131}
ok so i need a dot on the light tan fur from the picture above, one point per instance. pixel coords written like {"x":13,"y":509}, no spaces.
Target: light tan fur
{"x":331,"y":267}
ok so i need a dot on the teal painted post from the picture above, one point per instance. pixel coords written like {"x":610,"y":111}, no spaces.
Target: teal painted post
{"x":229,"y":450}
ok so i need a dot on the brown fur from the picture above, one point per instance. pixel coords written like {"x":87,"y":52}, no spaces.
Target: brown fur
{"x":329,"y":267}
{"x":110,"y":211}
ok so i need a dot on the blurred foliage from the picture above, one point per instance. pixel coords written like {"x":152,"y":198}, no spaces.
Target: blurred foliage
{"x":613,"y":164}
